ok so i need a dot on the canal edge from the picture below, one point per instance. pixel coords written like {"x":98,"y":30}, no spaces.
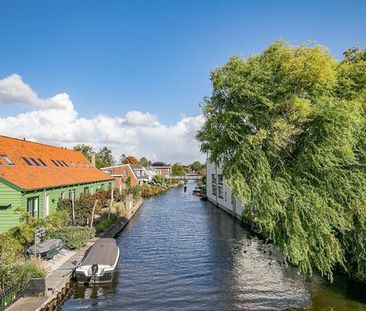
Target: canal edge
{"x":57,"y":287}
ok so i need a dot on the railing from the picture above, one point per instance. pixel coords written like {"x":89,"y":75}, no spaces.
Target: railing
{"x":186,"y":177}
{"x":11,"y":294}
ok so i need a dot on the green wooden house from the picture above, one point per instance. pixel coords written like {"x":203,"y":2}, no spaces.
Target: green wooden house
{"x":35,"y":176}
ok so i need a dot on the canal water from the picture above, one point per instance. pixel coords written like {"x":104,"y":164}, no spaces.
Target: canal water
{"x":182,"y":253}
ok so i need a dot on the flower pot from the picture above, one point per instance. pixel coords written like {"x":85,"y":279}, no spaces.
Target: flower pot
{"x":36,"y":287}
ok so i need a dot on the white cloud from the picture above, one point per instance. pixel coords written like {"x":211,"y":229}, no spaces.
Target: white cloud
{"x":55,"y":121}
{"x":13,"y":90}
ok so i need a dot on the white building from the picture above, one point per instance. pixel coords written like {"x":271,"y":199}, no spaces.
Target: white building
{"x":219,"y":193}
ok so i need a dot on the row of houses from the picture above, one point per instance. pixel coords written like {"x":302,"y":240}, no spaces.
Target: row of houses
{"x":136,"y":174}
{"x":34,"y":176}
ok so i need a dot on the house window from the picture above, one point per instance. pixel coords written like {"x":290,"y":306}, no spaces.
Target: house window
{"x":27,"y":161}
{"x":86,"y":190}
{"x":110,"y":186}
{"x":102,"y":186}
{"x":213,"y":178}
{"x":6,"y":159}
{"x":64,"y":163}
{"x":221,"y":192}
{"x":35,"y":162}
{"x":225,"y":196}
{"x":60,"y":163}
{"x":72,"y":194}
{"x":54,"y":162}
{"x":214,"y":189}
{"x":42,"y":162}
{"x":32,"y":206}
{"x":62,"y":195}
{"x":2,"y":207}
{"x":220,"y":178}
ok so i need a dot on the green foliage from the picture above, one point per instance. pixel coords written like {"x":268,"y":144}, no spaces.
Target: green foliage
{"x":196,"y":165}
{"x":289,"y":126}
{"x":58,"y":219}
{"x":74,"y":237}
{"x":105,"y":222}
{"x":150,"y":190}
{"x":86,"y":150}
{"x":84,"y":206}
{"x":178,"y":170}
{"x":145,"y":162}
{"x":136,"y":193}
{"x":130,"y":160}
{"x":158,"y":180}
{"x":103,"y":158}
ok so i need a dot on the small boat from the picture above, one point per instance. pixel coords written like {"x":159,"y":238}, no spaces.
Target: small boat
{"x":99,"y":264}
{"x":197,"y":191}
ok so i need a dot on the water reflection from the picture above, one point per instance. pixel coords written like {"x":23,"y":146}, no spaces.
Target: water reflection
{"x":180,"y":253}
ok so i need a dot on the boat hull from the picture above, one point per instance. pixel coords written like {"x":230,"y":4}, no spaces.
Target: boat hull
{"x":99,"y":264}
{"x":107,"y":277}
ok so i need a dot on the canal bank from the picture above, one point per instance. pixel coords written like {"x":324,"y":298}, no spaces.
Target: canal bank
{"x":182,"y":253}
{"x":58,"y":281}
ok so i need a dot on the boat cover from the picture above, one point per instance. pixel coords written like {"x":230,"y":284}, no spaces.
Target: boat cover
{"x":103,"y":252}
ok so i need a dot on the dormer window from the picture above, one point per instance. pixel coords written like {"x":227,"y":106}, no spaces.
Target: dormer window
{"x":54,"y":162}
{"x":35,"y":162}
{"x":6,"y":159}
{"x":27,"y":161}
{"x":42,"y":162}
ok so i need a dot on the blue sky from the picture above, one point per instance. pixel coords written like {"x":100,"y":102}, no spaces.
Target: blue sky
{"x":112,"y":57}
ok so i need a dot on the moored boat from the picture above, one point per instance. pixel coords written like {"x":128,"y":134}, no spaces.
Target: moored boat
{"x":99,"y":264}
{"x":197,"y":191}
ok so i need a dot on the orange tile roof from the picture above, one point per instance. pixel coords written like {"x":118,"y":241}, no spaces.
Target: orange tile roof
{"x":28,"y":177}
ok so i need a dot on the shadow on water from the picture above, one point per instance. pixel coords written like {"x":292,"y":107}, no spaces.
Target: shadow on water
{"x":181,"y":253}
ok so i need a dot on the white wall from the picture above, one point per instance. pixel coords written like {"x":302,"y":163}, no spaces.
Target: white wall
{"x":223,"y":197}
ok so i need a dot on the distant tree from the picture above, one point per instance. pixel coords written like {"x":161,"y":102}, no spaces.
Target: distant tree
{"x":145,"y":162}
{"x":86,"y":150}
{"x":158,"y":179}
{"x":104,"y":158}
{"x":178,"y":170}
{"x":196,"y":165}
{"x":122,"y":159}
{"x":131,"y":160}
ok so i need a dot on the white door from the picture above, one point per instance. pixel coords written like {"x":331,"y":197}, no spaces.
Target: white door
{"x":47,"y":204}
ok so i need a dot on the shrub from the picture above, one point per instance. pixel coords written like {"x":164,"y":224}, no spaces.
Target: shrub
{"x":84,"y":205}
{"x":136,"y":193}
{"x":74,"y":237}
{"x":58,"y":219}
{"x":158,"y":180}
{"x":104,"y":222}
{"x":32,"y":268}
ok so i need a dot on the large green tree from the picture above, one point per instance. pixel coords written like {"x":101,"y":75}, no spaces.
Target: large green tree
{"x":86,"y":150}
{"x":289,"y":126}
{"x":178,"y":170}
{"x":104,"y":158}
{"x":145,"y":162}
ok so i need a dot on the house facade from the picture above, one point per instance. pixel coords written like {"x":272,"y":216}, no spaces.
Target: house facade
{"x":160,"y":168}
{"x":35,"y":176}
{"x":218,"y":192}
{"x":121,"y":173}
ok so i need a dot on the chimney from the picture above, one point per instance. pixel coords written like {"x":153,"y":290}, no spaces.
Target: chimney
{"x":93,"y":159}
